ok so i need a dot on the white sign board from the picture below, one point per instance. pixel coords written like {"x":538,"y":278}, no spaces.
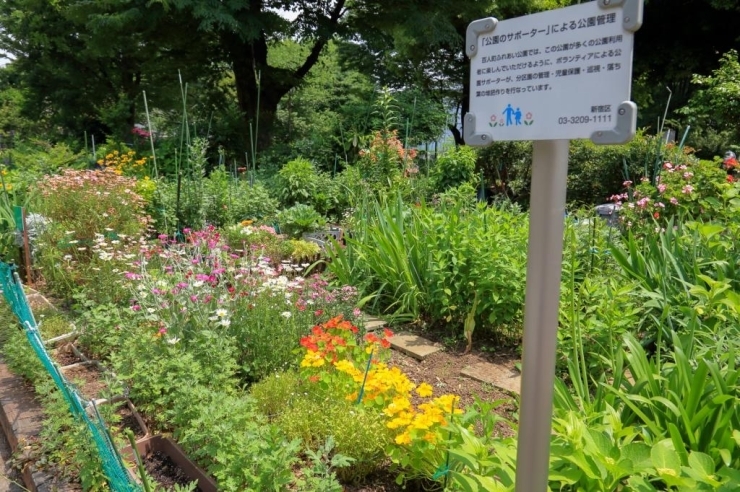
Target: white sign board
{"x":561,"y":74}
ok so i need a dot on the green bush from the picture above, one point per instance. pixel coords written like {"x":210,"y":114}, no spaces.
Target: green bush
{"x":304,"y":411}
{"x":296,"y":182}
{"x":415,"y":261}
{"x":453,"y":168}
{"x":300,"y":219}
{"x":595,"y":172}
{"x":218,"y":199}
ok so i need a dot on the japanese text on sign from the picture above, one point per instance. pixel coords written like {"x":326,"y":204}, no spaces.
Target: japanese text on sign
{"x":560,"y":74}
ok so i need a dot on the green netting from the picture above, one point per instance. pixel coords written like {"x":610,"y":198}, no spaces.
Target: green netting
{"x":113,"y":466}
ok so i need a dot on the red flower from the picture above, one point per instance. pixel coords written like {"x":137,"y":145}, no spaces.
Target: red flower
{"x":318,"y":312}
{"x":388,"y":333}
{"x":730,"y":179}
{"x":656,"y":215}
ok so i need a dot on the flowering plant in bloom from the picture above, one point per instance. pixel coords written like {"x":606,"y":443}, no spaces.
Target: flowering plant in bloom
{"x":386,"y":157}
{"x":203,"y":288}
{"x":691,"y":188}
{"x":336,"y":354}
{"x":88,"y":202}
{"x":95,"y":217}
{"x":124,"y":163}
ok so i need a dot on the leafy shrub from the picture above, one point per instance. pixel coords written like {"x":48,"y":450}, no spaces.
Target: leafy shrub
{"x":219,"y":199}
{"x":236,"y":446}
{"x":385,"y":159}
{"x":595,"y":172}
{"x":297,"y":182}
{"x":454,"y":167}
{"x":303,"y":250}
{"x":312,"y":416}
{"x":419,"y":260}
{"x":300,"y":219}
{"x":96,"y":221}
{"x":714,"y":105}
{"x":693,"y":189}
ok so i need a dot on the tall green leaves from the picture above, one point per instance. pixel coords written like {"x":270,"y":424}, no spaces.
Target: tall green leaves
{"x":416,"y":261}
{"x":388,"y":256}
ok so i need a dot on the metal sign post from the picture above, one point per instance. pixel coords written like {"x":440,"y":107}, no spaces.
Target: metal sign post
{"x":549,"y":77}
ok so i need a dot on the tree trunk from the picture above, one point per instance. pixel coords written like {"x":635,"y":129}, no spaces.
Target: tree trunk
{"x":260,"y":87}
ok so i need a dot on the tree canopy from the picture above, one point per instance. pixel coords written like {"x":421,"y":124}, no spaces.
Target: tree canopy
{"x":82,"y":66}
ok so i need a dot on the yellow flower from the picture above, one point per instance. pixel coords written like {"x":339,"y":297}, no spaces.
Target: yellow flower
{"x":424,"y":390}
{"x":404,"y":438}
{"x":312,"y":359}
{"x":399,"y":404}
{"x":447,"y":403}
{"x":422,"y":421}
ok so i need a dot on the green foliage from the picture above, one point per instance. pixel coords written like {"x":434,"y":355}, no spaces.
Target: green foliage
{"x":101,"y":327}
{"x":237,"y":446}
{"x":713,"y":109}
{"x":303,"y":250}
{"x":387,"y":257}
{"x":454,"y":168}
{"x":66,"y":444}
{"x":694,"y":189}
{"x":414,"y":261}
{"x":296,"y":182}
{"x":595,"y":172}
{"x":321,"y":476}
{"x":682,"y":274}
{"x":53,"y":324}
{"x":307,"y":412}
{"x":300,"y":219}
{"x":219,"y":199}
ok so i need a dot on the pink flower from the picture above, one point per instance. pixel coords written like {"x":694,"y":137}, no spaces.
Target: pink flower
{"x":674,"y":201}
{"x":136,"y":307}
{"x":688,"y":175}
{"x":627,"y":184}
{"x":667,"y":165}
{"x":687,"y":189}
{"x":661,"y":188}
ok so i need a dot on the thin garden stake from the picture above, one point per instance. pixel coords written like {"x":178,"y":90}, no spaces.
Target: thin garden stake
{"x":665,"y":113}
{"x":139,"y":465}
{"x":92,"y":139}
{"x":364,"y":379}
{"x":151,"y":135}
{"x":683,"y":139}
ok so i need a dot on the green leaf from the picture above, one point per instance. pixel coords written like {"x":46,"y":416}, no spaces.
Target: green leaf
{"x":468,"y":484}
{"x":665,"y":459}
{"x":489,"y":484}
{"x":702,"y":463}
{"x":466,"y":459}
{"x":639,"y":454}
